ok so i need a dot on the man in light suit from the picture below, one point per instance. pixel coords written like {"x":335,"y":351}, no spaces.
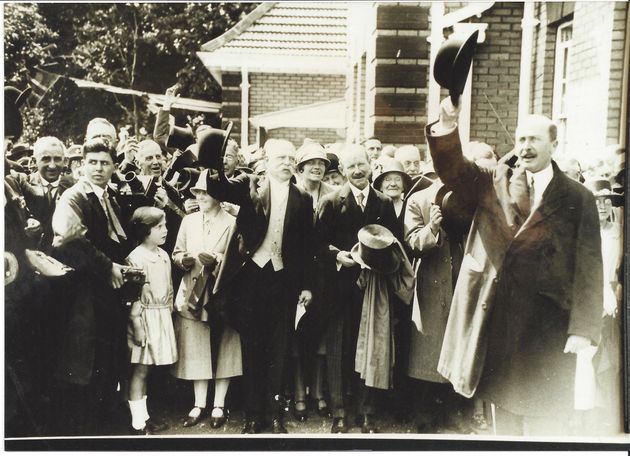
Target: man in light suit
{"x":340,"y":216}
{"x":90,"y":238}
{"x":265,"y":273}
{"x":531,"y":274}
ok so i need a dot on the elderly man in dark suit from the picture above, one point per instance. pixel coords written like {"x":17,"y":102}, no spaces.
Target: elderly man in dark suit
{"x":43,"y":188}
{"x":90,"y":238}
{"x":265,"y":273}
{"x":340,"y":216}
{"x":531,"y":274}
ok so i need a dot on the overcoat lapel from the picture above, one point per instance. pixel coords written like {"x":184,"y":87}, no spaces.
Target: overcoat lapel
{"x":371,"y":206}
{"x":552,"y":200}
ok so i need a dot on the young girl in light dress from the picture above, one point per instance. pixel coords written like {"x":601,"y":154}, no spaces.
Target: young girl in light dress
{"x":151,"y":337}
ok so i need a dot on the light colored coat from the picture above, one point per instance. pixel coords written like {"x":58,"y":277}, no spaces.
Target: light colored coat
{"x":434,"y":285}
{"x":195,"y":238}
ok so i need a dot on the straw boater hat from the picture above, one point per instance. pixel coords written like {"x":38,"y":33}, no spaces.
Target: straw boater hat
{"x":601,"y":188}
{"x":376,"y":249}
{"x":310,"y":151}
{"x":393,"y":166}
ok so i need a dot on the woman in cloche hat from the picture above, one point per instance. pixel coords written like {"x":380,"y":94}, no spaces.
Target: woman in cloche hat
{"x":200,"y":256}
{"x":607,"y":358}
{"x":312,"y":163}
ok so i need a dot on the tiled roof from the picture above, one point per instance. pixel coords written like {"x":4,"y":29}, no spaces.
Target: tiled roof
{"x":287,"y":29}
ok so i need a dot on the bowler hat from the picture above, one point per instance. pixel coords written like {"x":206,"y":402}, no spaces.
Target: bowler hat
{"x":601,"y":188}
{"x":13,"y":99}
{"x":391,"y":165}
{"x":452,"y":63}
{"x":311,"y":151}
{"x":19,"y":151}
{"x":180,"y":138}
{"x":212,"y":144}
{"x":376,"y":249}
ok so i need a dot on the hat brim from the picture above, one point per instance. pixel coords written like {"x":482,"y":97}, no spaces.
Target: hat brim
{"x":390,"y":268}
{"x":407,"y":182}
{"x":615,"y":198}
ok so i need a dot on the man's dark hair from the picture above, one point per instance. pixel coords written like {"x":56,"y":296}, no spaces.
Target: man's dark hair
{"x":97,"y":145}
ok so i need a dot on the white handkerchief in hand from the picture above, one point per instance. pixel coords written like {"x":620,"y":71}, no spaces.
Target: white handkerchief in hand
{"x":299,"y":313}
{"x":585,"y":386}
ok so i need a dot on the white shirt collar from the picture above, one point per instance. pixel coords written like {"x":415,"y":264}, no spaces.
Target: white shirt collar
{"x":43,"y":182}
{"x":541,"y":181}
{"x":98,"y":191}
{"x":356,"y":192}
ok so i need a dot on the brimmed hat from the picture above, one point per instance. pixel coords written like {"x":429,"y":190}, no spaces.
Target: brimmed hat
{"x":19,"y":151}
{"x":179,"y":137}
{"x":311,"y":151}
{"x":452,"y":63}
{"x":13,"y":100}
{"x":74,"y":152}
{"x":601,"y":188}
{"x":391,"y":165}
{"x":334,"y":163}
{"x":376,"y":249}
{"x":212,"y":144}
{"x":202,"y":183}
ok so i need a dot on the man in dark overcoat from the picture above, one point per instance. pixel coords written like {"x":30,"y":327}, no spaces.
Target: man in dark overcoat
{"x":530,"y":284}
{"x":340,"y":216}
{"x":90,"y":238}
{"x":265,"y":272}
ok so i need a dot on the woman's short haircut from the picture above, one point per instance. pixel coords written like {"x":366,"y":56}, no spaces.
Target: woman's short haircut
{"x":143,"y":219}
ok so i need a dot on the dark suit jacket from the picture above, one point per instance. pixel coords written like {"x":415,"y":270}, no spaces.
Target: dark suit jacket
{"x":253,"y":197}
{"x":531,"y":280}
{"x":339,"y":220}
{"x":94,"y":337}
{"x":34,"y":191}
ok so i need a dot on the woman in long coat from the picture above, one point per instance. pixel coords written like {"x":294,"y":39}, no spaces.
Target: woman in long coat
{"x":201,"y":242}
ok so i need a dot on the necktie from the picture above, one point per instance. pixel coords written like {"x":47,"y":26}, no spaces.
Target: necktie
{"x":532,"y":193}
{"x":360,"y":200}
{"x":49,"y":197}
{"x":115,"y":230}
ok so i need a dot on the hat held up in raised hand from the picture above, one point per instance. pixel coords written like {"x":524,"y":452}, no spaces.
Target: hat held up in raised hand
{"x":452,"y":63}
{"x":212,"y":144}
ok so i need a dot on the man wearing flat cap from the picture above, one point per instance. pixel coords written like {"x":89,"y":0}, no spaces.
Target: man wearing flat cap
{"x":531,"y":274}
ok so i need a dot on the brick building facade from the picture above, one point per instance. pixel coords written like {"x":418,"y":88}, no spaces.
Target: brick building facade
{"x":566,"y":60}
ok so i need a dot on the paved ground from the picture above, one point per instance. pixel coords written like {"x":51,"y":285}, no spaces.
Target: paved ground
{"x":174,"y":400}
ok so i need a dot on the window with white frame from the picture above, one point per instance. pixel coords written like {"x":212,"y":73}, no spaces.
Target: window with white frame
{"x":560,"y":82}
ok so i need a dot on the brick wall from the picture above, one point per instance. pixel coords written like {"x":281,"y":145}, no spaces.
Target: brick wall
{"x":400,"y":63}
{"x":231,"y":101}
{"x":543,"y":63}
{"x":496,"y":72}
{"x":269,"y":92}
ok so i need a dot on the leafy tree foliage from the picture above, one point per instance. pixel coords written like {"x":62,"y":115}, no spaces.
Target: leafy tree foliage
{"x":144,"y":46}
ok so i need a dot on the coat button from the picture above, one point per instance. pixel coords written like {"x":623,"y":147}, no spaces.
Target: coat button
{"x":484,"y":306}
{"x":495,"y":280}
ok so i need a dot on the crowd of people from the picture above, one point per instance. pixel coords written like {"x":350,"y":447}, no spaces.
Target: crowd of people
{"x":347,"y":280}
